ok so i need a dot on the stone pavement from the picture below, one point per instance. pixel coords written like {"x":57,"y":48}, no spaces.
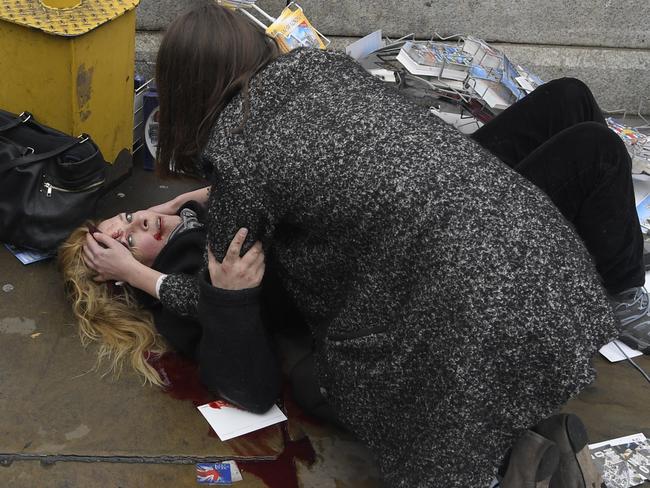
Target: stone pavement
{"x":63,"y":425}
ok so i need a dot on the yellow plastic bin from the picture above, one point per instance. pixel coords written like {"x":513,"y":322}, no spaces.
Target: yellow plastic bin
{"x":70,"y":63}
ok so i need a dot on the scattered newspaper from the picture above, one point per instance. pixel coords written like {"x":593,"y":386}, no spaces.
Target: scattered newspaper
{"x":471,"y":80}
{"x":624,"y":462}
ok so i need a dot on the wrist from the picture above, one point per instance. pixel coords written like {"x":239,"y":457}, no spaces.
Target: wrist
{"x":176,"y":204}
{"x":134,"y":271}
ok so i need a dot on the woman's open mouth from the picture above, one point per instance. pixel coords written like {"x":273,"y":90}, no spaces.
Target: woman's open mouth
{"x":158,"y":235}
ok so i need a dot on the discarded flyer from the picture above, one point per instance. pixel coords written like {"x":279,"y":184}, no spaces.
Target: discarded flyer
{"x":27,"y":256}
{"x":616,"y":351}
{"x":365,"y":46}
{"x":229,"y":421}
{"x":224,"y":473}
{"x":624,"y":462}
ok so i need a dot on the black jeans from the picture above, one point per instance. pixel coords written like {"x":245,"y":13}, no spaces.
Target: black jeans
{"x":557,"y":138}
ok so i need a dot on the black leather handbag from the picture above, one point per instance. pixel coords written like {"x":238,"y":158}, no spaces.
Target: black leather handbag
{"x":49,"y":182}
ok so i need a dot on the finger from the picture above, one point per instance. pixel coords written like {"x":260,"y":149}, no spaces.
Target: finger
{"x":103,"y":239}
{"x":259,"y":274}
{"x":91,"y":245}
{"x":89,"y":255}
{"x":234,"y":249}
{"x":99,"y":279}
{"x":254,"y":253}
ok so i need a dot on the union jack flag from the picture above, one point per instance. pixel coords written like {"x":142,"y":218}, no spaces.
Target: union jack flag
{"x":213,"y":474}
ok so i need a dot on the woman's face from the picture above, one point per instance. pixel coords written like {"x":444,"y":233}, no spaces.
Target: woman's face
{"x":143,"y":232}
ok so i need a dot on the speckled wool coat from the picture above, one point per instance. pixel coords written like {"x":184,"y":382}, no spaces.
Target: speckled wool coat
{"x":452,"y":303}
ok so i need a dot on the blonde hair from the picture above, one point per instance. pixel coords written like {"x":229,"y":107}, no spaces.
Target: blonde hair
{"x":108,"y":315}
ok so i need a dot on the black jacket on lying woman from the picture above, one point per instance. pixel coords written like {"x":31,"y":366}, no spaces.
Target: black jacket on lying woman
{"x":228,"y":322}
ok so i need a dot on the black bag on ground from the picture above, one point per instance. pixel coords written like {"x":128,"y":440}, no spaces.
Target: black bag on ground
{"x":49,"y":182}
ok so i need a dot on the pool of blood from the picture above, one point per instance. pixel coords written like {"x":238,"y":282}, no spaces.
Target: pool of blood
{"x":181,"y":377}
{"x":182,"y":382}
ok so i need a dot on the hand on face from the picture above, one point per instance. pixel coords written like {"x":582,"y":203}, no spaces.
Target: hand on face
{"x":144,"y":233}
{"x":235,"y":272}
{"x":108,"y":257}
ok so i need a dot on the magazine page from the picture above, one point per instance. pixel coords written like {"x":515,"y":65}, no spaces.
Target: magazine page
{"x":613,"y":467}
{"x":292,"y":29}
{"x":637,"y":456}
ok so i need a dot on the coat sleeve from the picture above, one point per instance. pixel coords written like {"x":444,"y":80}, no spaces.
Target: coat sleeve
{"x":179,"y":293}
{"x":240,"y":199}
{"x":236,"y":359}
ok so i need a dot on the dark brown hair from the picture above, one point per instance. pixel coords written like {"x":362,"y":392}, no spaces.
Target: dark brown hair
{"x":206,"y":57}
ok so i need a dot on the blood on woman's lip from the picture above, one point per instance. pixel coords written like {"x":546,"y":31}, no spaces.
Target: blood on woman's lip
{"x":158,"y":235}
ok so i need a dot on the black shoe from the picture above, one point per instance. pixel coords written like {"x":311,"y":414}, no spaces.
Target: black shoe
{"x":576,"y":470}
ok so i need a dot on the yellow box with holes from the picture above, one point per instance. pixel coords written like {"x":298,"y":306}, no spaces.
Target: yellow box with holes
{"x":70,"y":63}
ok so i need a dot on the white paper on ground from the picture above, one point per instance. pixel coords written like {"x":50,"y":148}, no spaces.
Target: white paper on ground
{"x":229,"y":421}
{"x":613,"y":355}
{"x":364,"y":46}
{"x":640,"y":437}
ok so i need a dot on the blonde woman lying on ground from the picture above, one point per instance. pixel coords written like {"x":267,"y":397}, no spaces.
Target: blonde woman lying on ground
{"x":130,"y":325}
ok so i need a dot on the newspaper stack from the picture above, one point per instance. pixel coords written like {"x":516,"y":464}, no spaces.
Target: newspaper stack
{"x":467,"y":82}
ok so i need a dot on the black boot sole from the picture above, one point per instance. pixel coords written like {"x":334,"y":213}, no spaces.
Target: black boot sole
{"x":578,"y":438}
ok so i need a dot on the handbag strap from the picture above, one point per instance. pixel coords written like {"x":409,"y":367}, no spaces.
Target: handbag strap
{"x":35,"y":158}
{"x":21,"y":119}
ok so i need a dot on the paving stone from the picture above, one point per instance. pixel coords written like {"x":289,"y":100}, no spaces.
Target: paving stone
{"x":55,"y":407}
{"x":107,"y":475}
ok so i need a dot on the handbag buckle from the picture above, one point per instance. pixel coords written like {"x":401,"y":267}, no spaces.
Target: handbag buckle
{"x":83,"y":138}
{"x":24,"y":117}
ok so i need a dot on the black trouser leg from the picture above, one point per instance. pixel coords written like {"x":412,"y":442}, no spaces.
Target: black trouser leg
{"x":532,"y":121}
{"x":582,"y":166}
{"x":586,"y":172}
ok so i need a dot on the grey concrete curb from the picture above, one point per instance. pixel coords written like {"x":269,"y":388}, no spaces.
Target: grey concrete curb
{"x":157,"y":14}
{"x":618,"y":77}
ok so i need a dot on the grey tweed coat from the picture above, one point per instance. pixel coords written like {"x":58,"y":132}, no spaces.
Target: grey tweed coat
{"x":452,"y":304}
